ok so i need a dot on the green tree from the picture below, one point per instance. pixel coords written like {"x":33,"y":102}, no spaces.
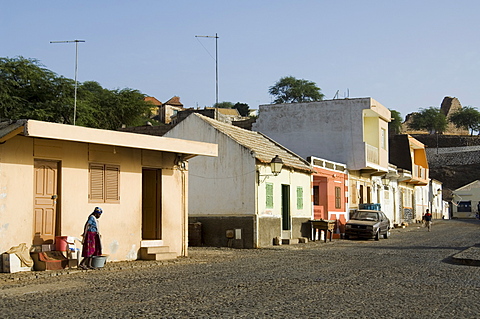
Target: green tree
{"x":223,"y":105}
{"x":395,"y":125}
{"x":110,"y":109}
{"x":430,"y":119}
{"x":292,"y":90}
{"x":28,"y":90}
{"x":242,"y":108}
{"x":467,"y":117}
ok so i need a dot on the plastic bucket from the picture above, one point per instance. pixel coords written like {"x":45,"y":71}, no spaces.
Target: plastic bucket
{"x":99,"y":261}
{"x":61,"y":243}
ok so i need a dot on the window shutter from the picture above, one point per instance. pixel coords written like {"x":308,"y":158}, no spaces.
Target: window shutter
{"x":299,"y":197}
{"x":338,"y":197}
{"x":111,"y":183}
{"x":96,"y":182}
{"x":269,"y":195}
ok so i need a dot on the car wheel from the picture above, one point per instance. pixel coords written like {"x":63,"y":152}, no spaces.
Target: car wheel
{"x":346,"y":236}
{"x":377,"y":235}
{"x":387,"y":234}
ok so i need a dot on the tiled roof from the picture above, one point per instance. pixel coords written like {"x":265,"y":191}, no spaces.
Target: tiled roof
{"x":152,"y":100}
{"x":175,"y":101}
{"x":225,"y":111}
{"x":9,"y":127}
{"x":264,"y":148}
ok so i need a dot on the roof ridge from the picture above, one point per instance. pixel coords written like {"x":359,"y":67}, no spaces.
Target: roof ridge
{"x":263,"y":147}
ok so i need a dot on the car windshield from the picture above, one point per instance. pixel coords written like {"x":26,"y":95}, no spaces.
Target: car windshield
{"x":366,"y":216}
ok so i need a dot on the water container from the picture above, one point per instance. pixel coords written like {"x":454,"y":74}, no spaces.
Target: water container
{"x":61,"y":243}
{"x":99,"y":261}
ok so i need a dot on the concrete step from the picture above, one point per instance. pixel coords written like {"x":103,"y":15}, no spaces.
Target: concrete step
{"x":157,"y":250}
{"x":151,"y":243}
{"x":161,"y":256}
{"x":156,"y":253}
{"x":289,"y":241}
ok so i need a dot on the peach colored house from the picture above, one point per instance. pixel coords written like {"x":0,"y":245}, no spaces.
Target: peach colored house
{"x":53,"y":175}
{"x":330,"y":193}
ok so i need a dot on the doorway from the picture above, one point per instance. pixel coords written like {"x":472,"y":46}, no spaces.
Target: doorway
{"x":151,"y":204}
{"x":286,"y":218}
{"x":45,"y":213}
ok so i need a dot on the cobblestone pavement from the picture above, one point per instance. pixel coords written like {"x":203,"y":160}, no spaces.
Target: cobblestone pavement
{"x":410,"y":275}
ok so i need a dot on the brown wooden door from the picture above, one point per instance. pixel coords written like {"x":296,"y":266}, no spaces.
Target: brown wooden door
{"x":151,"y":204}
{"x":45,"y":201}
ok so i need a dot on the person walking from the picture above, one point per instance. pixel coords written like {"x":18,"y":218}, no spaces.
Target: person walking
{"x":428,"y":219}
{"x":92,"y":245}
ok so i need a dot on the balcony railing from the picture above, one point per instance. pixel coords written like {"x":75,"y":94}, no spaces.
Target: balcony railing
{"x":420,"y":172}
{"x":372,"y":154}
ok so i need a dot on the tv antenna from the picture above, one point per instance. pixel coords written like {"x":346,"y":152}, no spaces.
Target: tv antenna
{"x":76,"y":69}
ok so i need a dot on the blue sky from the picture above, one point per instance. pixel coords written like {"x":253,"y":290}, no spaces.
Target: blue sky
{"x":405,"y":54}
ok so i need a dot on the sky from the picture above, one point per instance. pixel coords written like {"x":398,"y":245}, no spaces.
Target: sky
{"x":405,"y":54}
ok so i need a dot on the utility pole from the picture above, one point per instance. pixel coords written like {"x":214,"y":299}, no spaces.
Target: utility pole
{"x":76,"y":69}
{"x":216,"y":61}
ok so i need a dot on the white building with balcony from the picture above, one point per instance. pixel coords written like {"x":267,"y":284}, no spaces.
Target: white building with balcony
{"x":352,"y":131}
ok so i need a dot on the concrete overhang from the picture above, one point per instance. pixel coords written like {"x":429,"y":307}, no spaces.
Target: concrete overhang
{"x":39,"y":129}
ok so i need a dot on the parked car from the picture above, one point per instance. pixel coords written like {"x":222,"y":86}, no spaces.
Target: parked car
{"x":368,"y":224}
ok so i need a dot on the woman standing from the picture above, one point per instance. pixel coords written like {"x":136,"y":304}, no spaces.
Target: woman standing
{"x":92,"y":245}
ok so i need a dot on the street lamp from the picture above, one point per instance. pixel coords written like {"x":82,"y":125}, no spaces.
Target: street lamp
{"x":276,"y":165}
{"x":216,"y":62}
{"x":76,"y":68}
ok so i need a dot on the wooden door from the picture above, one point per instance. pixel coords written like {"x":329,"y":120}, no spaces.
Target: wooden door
{"x":151,"y":204}
{"x":45,"y":201}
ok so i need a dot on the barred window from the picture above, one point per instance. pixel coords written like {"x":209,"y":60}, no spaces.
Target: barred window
{"x":104,"y":183}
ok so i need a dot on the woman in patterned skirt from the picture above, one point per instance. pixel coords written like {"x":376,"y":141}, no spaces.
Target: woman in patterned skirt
{"x":92,"y":245}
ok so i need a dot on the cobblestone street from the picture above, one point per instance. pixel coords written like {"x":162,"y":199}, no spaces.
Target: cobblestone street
{"x":410,"y":275}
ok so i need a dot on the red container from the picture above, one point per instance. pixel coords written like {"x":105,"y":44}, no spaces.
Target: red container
{"x":61,"y":243}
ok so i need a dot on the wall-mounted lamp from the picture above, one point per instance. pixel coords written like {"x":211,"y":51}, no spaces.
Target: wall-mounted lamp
{"x":385,"y":181}
{"x":276,"y":165}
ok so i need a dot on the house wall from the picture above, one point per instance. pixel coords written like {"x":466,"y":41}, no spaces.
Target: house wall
{"x":231,"y":178}
{"x":407,"y":203}
{"x":327,"y":181}
{"x":469,"y":192}
{"x":221,"y":191}
{"x":226,"y":193}
{"x":120,"y":223}
{"x":332,"y":129}
{"x":300,"y":214}
{"x":421,"y":201}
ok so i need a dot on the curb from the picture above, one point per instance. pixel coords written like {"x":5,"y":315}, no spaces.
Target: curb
{"x":469,"y":256}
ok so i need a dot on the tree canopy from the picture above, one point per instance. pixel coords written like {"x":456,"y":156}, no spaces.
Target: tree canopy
{"x":395,"y":125}
{"x":292,"y":90}
{"x":28,"y":90}
{"x":467,"y":117}
{"x":243,"y":108}
{"x":430,"y":119}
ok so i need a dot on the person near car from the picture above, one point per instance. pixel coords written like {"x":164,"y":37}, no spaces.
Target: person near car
{"x":428,"y":219}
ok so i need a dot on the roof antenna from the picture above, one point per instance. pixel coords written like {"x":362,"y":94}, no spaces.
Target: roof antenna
{"x":336,"y":95}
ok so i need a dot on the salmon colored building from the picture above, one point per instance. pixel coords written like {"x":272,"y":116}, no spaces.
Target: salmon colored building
{"x":330,"y":193}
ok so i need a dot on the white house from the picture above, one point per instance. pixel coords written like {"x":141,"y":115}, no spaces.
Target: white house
{"x":466,"y":200}
{"x":350,"y":131}
{"x":236,"y":197}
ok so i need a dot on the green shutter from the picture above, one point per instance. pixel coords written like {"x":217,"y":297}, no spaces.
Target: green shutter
{"x":269,"y":195}
{"x":299,"y":197}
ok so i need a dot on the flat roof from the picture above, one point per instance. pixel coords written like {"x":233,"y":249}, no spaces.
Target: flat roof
{"x":40,"y":129}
